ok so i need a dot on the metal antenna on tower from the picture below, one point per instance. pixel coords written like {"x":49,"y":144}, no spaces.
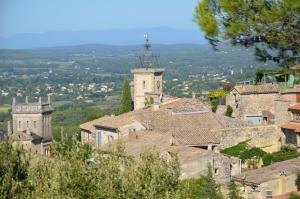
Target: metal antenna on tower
{"x":147,"y":43}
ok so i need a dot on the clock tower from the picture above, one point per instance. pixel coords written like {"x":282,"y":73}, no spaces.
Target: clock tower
{"x":147,"y":79}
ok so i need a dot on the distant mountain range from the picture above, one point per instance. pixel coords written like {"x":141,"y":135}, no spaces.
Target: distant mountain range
{"x":158,"y":35}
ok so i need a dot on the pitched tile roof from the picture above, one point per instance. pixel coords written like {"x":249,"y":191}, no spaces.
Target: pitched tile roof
{"x":292,"y":126}
{"x":190,"y":125}
{"x":271,"y":172}
{"x":160,"y":142}
{"x":195,"y":137}
{"x":257,"y":89}
{"x":295,"y":106}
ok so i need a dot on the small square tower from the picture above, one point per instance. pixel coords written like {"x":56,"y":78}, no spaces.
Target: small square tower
{"x":31,"y":124}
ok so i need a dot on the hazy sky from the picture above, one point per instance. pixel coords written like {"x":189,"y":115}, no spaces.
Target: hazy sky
{"x":32,"y":16}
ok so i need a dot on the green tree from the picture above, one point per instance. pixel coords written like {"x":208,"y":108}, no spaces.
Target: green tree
{"x":234,"y":192}
{"x":294,"y":196}
{"x":272,"y":26}
{"x":229,"y":111}
{"x":125,"y":98}
{"x":14,"y":169}
{"x":297,"y":181}
{"x":78,"y":171}
{"x":212,"y":189}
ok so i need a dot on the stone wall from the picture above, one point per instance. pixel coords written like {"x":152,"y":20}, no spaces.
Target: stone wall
{"x":222,"y":167}
{"x":252,"y":104}
{"x":268,"y":136}
{"x":282,"y":115}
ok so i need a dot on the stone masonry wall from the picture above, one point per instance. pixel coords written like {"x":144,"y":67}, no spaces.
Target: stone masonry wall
{"x":269,"y":136}
{"x":282,"y":115}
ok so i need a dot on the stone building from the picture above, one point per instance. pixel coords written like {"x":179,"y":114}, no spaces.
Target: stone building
{"x":186,"y":127}
{"x":147,"y":84}
{"x":254,"y":103}
{"x":31,"y":125}
{"x":270,"y":181}
{"x":292,"y":128}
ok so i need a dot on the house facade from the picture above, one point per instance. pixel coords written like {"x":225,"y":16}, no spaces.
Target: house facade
{"x":270,"y":181}
{"x":253,"y":103}
{"x":292,"y":128}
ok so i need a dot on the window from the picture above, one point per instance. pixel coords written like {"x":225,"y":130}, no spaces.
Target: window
{"x":27,"y":124}
{"x":296,"y":116}
{"x":216,"y":171}
{"x":98,"y":138}
{"x":144,"y":84}
{"x":34,"y":124}
{"x":110,"y":138}
{"x":20,"y":124}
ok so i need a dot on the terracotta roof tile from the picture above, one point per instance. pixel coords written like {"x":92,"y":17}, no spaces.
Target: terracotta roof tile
{"x":291,"y":126}
{"x":295,"y":106}
{"x":195,"y":137}
{"x":257,"y":89}
{"x":271,"y":172}
{"x":160,"y":142}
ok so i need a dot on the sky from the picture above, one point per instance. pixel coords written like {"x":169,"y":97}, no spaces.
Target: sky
{"x":38,"y":16}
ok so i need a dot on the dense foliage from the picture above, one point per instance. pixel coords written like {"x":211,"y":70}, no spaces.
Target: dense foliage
{"x":297,"y":181}
{"x":254,"y":154}
{"x":287,"y":152}
{"x":229,"y":111}
{"x":233,"y":189}
{"x":217,"y":97}
{"x":77,"y":171}
{"x":236,"y":150}
{"x":126,"y":100}
{"x":272,"y":26}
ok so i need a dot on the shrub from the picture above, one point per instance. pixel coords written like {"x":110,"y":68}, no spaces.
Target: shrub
{"x":229,"y":111}
{"x":267,"y":159}
{"x":252,"y":153}
{"x":237,"y":149}
{"x":68,"y":174}
{"x":297,"y":181}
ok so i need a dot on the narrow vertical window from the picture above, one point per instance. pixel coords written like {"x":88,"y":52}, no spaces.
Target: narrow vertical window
{"x":20,"y":124}
{"x":144,"y":84}
{"x":34,"y":124}
{"x":27,"y":124}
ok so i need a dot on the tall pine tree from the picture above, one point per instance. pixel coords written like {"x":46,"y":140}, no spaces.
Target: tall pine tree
{"x":271,"y":26}
{"x":233,"y":190}
{"x":125,"y":105}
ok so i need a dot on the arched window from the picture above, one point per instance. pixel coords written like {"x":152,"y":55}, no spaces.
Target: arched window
{"x":144,"y":84}
{"x":27,"y":124}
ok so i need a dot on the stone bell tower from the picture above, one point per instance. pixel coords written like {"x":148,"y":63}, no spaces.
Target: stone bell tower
{"x":147,"y":79}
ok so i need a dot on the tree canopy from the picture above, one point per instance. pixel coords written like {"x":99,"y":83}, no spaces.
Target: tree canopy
{"x":271,"y":26}
{"x":125,"y":98}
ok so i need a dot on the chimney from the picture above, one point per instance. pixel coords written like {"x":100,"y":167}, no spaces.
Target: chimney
{"x":172,"y":140}
{"x":132,"y":134}
{"x":193,"y":95}
{"x":49,"y":99}
{"x":26,"y":100}
{"x":156,"y":107}
{"x":282,"y":183}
